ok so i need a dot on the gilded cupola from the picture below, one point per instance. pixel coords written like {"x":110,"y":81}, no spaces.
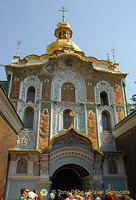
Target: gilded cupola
{"x":63,"y":43}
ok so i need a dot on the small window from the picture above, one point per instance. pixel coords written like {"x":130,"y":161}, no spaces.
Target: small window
{"x":31,"y":94}
{"x":112,"y":167}
{"x":28,"y":117}
{"x":104,"y":98}
{"x":106,"y":123}
{"x":59,"y":34}
{"x":22,"y":166}
{"x":64,"y":33}
{"x":67,"y":119}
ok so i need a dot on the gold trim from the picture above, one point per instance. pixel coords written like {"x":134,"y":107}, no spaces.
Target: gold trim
{"x":60,"y":53}
{"x":23,"y":151}
{"x":93,"y":141}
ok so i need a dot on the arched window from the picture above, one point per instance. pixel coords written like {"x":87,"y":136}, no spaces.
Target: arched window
{"x":68,"y":92}
{"x":31,"y":94}
{"x":28,"y":117}
{"x":106,"y":123}
{"x":64,"y":33}
{"x":104,"y":98}
{"x":59,"y":34}
{"x":67,"y":119}
{"x":22,"y":166}
{"x":112,"y":167}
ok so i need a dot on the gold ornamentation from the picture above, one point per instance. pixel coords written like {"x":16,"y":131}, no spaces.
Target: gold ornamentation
{"x":89,"y":83}
{"x":63,"y":10}
{"x":113,"y":51}
{"x":18,"y":43}
{"x":46,"y":80}
{"x":72,"y":113}
{"x":16,"y":79}
{"x":93,"y":141}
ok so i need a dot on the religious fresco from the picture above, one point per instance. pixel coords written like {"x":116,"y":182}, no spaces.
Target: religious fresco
{"x":15,"y":88}
{"x":46,"y":88}
{"x":44,"y":123}
{"x":120,"y":114}
{"x":90,"y":92}
{"x":91,"y":123}
{"x":118,"y":94}
{"x":22,"y":166}
{"x":68,"y":92}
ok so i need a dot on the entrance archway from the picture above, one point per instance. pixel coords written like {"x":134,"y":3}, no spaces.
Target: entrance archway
{"x":68,"y":177}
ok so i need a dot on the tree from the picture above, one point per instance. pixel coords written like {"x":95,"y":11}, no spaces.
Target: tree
{"x":133,"y":105}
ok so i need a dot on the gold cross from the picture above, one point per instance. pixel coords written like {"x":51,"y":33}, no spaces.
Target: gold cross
{"x":63,"y":10}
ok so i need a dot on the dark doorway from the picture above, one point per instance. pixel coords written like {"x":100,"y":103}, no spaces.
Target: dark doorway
{"x":68,"y":177}
{"x":66,"y":180}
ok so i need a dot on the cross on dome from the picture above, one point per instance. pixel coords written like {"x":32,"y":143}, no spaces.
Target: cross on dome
{"x":63,"y":10}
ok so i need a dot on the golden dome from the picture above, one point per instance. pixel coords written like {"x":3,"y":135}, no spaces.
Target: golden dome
{"x":63,"y":33}
{"x":62,"y":44}
{"x":63,"y":24}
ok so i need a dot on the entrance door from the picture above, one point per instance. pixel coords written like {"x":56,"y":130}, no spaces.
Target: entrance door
{"x":68,"y":177}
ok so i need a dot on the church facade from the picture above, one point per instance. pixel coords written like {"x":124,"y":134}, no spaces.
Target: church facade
{"x":69,"y":104}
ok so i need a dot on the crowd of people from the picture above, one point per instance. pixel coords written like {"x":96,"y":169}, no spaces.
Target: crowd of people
{"x":29,"y":195}
{"x":89,"y":196}
{"x":32,"y":195}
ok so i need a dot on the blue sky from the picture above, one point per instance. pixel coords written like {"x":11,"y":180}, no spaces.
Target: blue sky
{"x":98,"y":26}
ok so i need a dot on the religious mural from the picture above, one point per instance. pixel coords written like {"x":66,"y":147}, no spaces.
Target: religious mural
{"x":90,"y":92}
{"x":118,"y":94}
{"x":120,"y":114}
{"x":15,"y":89}
{"x":91,"y":123}
{"x":44,"y":123}
{"x":46,"y":88}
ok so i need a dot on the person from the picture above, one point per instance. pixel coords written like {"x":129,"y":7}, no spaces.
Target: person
{"x":31,"y":196}
{"x":99,"y":197}
{"x":23,"y":194}
{"x":69,"y":196}
{"x":36,"y":196}
{"x":90,"y":196}
{"x":51,"y":197}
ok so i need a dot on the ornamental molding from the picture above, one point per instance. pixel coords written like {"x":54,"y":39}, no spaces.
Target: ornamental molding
{"x":25,"y":136}
{"x":107,"y":139}
{"x":43,"y":184}
{"x":104,"y":86}
{"x":24,"y":105}
{"x":72,"y":77}
{"x":58,"y":115}
{"x":105,"y":107}
{"x":74,"y":152}
{"x":96,"y":185}
{"x":97,"y":164}
{"x":60,"y":108}
{"x":34,"y":82}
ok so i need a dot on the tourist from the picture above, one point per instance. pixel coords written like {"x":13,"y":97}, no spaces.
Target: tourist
{"x":23,"y":194}
{"x":86,"y":196}
{"x":36,"y":196}
{"x":69,"y":196}
{"x":52,"y":196}
{"x":99,"y":197}
{"x":31,"y":196}
{"x":90,"y":196}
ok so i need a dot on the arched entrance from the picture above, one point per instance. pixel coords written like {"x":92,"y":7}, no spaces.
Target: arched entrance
{"x":68,"y":177}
